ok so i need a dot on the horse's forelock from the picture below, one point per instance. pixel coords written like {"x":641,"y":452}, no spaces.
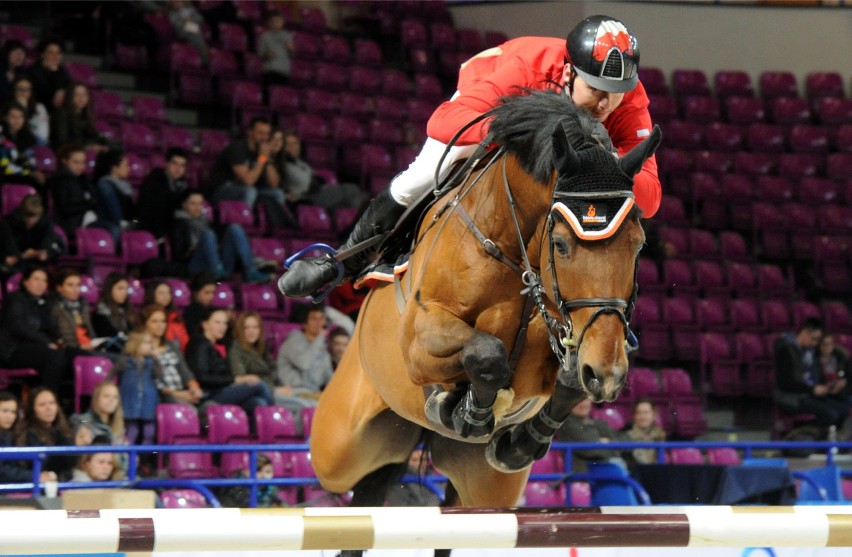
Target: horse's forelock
{"x":524,"y":125}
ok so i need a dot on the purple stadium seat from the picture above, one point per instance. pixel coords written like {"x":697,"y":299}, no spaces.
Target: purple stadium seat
{"x":148,"y":110}
{"x":302,"y":73}
{"x":183,"y":498}
{"x":367,"y":53}
{"x":689,"y":420}
{"x":723,"y":455}
{"x":823,"y":84}
{"x":270,"y":249}
{"x":721,"y":136}
{"x":800,"y":165}
{"x":262,"y":298}
{"x":611,"y":415}
{"x":703,"y":243}
{"x":130,"y":57}
{"x":678,"y":275}
{"x":191,"y":466}
{"x":839,"y":166}
{"x":330,"y":76}
{"x":17,"y":32}
{"x":648,"y":310}
{"x":390,"y":108}
{"x":252,"y":66}
{"x":227,"y":423}
{"x":765,"y":138}
{"x":181,"y":295}
{"x":581,"y":494}
{"x":701,"y":109}
{"x":754,"y":164}
{"x":277,"y":332}
{"x":778,"y":84}
{"x":319,"y":102}
{"x":790,"y":110}
{"x":678,"y":238}
{"x":551,"y":463}
{"x":307,"y":47}
{"x":135,"y":292}
{"x":442,"y":36}
{"x":413,"y":33}
{"x":663,"y":108}
{"x":276,"y":425}
{"x":773,"y":189}
{"x":212,"y":142}
{"x":744,"y":314}
{"x":680,"y":314}
{"x":685,"y":134}
{"x":674,"y":162}
{"x":233,"y":463}
{"x":108,"y":106}
{"x":672,"y":211}
{"x":815,"y":191}
{"x":307,"y":416}
{"x":12,"y":194}
{"x":427,"y":86}
{"x":246,"y":99}
{"x":728,"y":83}
{"x":654,"y":81}
{"x":713,"y":162}
{"x":138,"y":246}
{"x":96,"y":244}
{"x":355,"y":105}
{"x":232,"y":37}
{"x":223,"y":297}
{"x":184,"y":57}
{"x":804,"y":310}
{"x":83,"y":73}
{"x":643,"y":382}
{"x":649,"y":277}
{"x":744,"y":110}
{"x":808,"y":139}
{"x":837,"y":317}
{"x":173,"y":136}
{"x":314,"y":221}
{"x":45,"y":159}
{"x":336,"y":48}
{"x":712,"y":316}
{"x":469,"y":40}
{"x":312,"y":128}
{"x":750,"y":351}
{"x":377,"y":167}
{"x":771,"y":280}
{"x":89,"y":371}
{"x":236,"y":212}
{"x":710,"y":278}
{"x":312,"y":19}
{"x":690,"y":83}
{"x":775,"y":315}
{"x":732,"y":246}
{"x":718,"y":365}
{"x":543,"y":494}
{"x":677,"y":384}
{"x":395,"y":84}
{"x":834,"y":111}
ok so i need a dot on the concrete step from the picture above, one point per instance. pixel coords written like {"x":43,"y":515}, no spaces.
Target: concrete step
{"x":94,"y":61}
{"x":116,"y":80}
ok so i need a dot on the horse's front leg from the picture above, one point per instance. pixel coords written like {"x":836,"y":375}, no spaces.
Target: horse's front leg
{"x":516,"y":447}
{"x":445,"y":349}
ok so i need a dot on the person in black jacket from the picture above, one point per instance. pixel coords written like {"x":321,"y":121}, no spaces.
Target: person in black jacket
{"x":49,"y":75}
{"x":207,"y":357}
{"x":45,"y":425}
{"x":73,"y":193}
{"x":29,"y":335}
{"x":27,"y":236}
{"x":12,"y":471}
{"x":161,"y":193}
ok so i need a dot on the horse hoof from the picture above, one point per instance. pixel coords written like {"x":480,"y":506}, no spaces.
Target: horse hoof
{"x":470,"y":423}
{"x":440,"y":405}
{"x":508,"y":453}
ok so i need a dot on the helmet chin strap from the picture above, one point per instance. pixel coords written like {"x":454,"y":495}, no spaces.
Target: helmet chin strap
{"x":569,"y":85}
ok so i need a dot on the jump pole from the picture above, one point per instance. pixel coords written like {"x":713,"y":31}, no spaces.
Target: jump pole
{"x":188,"y":530}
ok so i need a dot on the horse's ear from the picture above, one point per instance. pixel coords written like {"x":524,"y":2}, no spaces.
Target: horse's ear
{"x":565,"y":160}
{"x":632,"y":162}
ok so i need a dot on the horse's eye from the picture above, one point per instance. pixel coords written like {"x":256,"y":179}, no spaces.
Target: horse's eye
{"x":561,"y":246}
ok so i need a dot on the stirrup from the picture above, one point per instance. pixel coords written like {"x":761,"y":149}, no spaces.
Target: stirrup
{"x":321,"y":294}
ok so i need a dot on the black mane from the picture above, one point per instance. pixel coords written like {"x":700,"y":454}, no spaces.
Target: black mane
{"x":524,"y":125}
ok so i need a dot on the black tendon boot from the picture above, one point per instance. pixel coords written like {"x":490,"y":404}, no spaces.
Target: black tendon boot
{"x":307,"y":276}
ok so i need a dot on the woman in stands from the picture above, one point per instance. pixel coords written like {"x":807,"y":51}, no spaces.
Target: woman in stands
{"x":105,"y":416}
{"x":27,"y":237}
{"x":74,"y":121}
{"x":114,"y":316}
{"x":13,"y":56}
{"x":207,"y":356}
{"x":177,"y":384}
{"x":12,"y":471}
{"x":160,"y":293}
{"x":73,"y":193}
{"x":97,"y":467}
{"x":115,"y":206}
{"x":44,"y":425}
{"x":37,"y":117}
{"x":17,"y":158}
{"x":644,"y":428}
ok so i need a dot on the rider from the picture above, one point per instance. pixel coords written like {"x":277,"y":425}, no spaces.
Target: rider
{"x":597,"y":66}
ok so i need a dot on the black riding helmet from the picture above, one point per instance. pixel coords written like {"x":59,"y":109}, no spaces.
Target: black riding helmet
{"x":604,"y":53}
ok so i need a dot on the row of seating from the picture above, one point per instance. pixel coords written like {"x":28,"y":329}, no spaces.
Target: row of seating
{"x":827,"y":111}
{"x":758,"y":137}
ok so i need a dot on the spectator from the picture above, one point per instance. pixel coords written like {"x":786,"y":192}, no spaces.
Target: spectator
{"x":49,"y":76}
{"x":113,"y":317}
{"x":29,"y":336}
{"x":580,"y":427}
{"x":137,"y":373}
{"x":267,"y":495}
{"x":73,"y":122}
{"x":834,"y":363}
{"x":10,"y":470}
{"x":177,"y":383}
{"x":72,"y":315}
{"x":73,"y":193}
{"x":243,"y":171}
{"x":37,"y":117}
{"x":195,"y":243}
{"x":186,"y":22}
{"x":414,"y":494}
{"x":105,"y":416}
{"x":202,"y":288}
{"x":27,"y":236}
{"x":299,"y":183}
{"x":97,"y":467}
{"x":276,"y":49}
{"x":304,"y":364}
{"x":338,"y":341}
{"x":13,"y":56}
{"x":160,"y":293}
{"x":208,"y":358}
{"x":114,"y":200}
{"x":44,"y":425}
{"x":800,"y":384}
{"x":17,"y":158}
{"x":161,"y":193}
{"x":644,"y":429}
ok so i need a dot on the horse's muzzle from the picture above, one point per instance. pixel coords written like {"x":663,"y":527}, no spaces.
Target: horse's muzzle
{"x":602,"y":387}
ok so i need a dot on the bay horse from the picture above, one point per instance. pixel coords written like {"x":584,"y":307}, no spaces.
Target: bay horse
{"x":515,"y":304}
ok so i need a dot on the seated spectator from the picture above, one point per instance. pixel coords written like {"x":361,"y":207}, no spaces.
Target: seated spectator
{"x":114,"y":195}
{"x":304,"y":364}
{"x":186,"y":22}
{"x":834,"y":363}
{"x":97,"y":467}
{"x":136,"y":372}
{"x":202,"y":288}
{"x":580,"y":427}
{"x":162,"y":192}
{"x":243,"y":171}
{"x":13,"y":57}
{"x":105,"y":416}
{"x":267,"y":495}
{"x":338,"y":341}
{"x":195,"y":243}
{"x":644,"y":429}
{"x":73,"y":193}
{"x":177,"y":383}
{"x":299,"y":183}
{"x":208,"y":358}
{"x":71,"y":312}
{"x":44,"y":425}
{"x":12,"y":471}
{"x":275,"y":47}
{"x":29,"y":336}
{"x":74,"y":123}
{"x":17,"y":158}
{"x":49,"y":76}
{"x":37,"y":117}
{"x":160,"y":293}
{"x":800,"y":385}
{"x":114,"y":316}
{"x":27,"y":237}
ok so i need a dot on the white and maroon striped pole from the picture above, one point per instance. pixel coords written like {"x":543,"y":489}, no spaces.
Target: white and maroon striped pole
{"x":189,"y":530}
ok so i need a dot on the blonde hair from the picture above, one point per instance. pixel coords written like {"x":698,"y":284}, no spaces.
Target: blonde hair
{"x":135,"y":341}
{"x":115,"y":421}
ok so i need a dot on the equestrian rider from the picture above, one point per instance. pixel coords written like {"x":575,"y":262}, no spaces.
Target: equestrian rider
{"x":597,"y":66}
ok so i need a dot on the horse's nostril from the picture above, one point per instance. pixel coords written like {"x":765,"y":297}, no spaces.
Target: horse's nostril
{"x":590,"y":380}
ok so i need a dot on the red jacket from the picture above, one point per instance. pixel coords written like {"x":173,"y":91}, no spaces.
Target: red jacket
{"x":534,"y":62}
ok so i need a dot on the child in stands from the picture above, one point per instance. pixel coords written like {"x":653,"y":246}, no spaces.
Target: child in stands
{"x":135,"y":373}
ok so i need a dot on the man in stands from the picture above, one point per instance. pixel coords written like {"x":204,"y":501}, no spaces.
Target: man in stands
{"x":597,"y":67}
{"x":161,"y":193}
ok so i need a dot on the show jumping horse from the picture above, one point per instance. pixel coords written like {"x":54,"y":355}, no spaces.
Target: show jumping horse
{"x":516,"y":303}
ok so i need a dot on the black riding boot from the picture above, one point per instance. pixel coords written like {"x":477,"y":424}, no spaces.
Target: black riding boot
{"x":307,"y":276}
